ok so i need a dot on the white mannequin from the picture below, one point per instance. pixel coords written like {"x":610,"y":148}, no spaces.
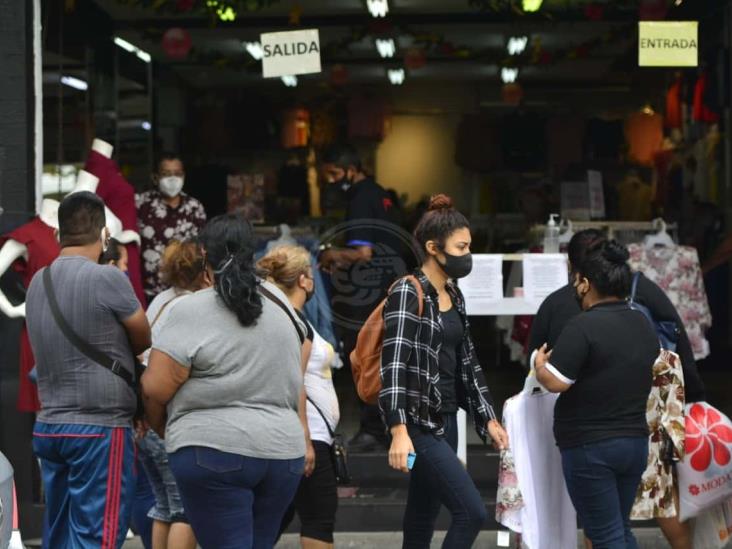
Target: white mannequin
{"x":102,"y":147}
{"x":12,"y":250}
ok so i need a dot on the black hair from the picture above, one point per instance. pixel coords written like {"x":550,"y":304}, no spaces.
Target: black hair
{"x":580,"y":243}
{"x":113,"y":253}
{"x":605,"y":265}
{"x":81,"y":219}
{"x":228,"y":242}
{"x":343,"y":155}
{"x":167,"y":155}
{"x":439,"y":222}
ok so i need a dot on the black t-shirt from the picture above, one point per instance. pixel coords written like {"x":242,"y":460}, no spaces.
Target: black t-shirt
{"x":452,"y":336}
{"x":561,"y":306}
{"x":607,"y":353}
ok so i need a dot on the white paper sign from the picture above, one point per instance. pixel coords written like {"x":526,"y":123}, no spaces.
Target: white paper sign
{"x":544,"y":274}
{"x":290,"y":53}
{"x":484,"y":285}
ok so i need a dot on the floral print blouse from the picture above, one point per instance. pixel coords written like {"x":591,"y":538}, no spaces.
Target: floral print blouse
{"x":677,"y":271}
{"x":160,"y":223}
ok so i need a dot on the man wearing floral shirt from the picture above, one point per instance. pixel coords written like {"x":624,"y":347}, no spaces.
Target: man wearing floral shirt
{"x":164,"y":214}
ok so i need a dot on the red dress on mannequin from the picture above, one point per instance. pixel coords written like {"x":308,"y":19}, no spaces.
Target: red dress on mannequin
{"x":119,"y":196}
{"x":43,"y":248}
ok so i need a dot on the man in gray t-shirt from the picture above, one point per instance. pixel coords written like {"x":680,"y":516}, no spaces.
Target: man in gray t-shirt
{"x":83,"y":434}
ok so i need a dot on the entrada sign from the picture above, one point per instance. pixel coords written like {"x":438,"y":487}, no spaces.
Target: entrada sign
{"x":668,"y":43}
{"x":290,"y":53}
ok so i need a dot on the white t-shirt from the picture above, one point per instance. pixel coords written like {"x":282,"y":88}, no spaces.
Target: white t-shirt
{"x":319,"y":388}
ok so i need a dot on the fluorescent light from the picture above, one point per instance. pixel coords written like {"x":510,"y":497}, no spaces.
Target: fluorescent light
{"x":125,"y":45}
{"x":517,"y":45}
{"x":509,"y":75}
{"x":378,"y":8}
{"x":386,"y":47}
{"x":396,"y":76}
{"x":254,"y":49}
{"x":289,"y":81}
{"x":146,"y":126}
{"x":531,"y":5}
{"x":75,"y":83}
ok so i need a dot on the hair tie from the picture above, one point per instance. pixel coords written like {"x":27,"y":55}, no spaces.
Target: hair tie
{"x":226,"y":265}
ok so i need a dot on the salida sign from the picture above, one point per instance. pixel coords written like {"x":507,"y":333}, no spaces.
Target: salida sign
{"x":668,"y":43}
{"x":290,"y":53}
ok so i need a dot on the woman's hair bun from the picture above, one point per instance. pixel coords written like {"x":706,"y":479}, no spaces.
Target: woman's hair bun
{"x":615,"y":252}
{"x":440,"y":202}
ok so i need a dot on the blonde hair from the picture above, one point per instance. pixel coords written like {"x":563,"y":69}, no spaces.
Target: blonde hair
{"x":181,"y":265}
{"x":284,"y":265}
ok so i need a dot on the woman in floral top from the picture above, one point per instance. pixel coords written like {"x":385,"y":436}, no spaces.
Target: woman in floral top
{"x":164,"y":214}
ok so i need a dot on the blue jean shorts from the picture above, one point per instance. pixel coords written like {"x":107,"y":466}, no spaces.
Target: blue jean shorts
{"x":168,"y":505}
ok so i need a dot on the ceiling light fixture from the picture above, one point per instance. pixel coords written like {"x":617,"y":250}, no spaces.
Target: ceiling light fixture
{"x":289,"y":81}
{"x":125,"y":45}
{"x":517,"y":45}
{"x":378,"y":8}
{"x":396,"y":76}
{"x":254,"y":49}
{"x":531,"y":5}
{"x":386,"y":47}
{"x":146,"y":126}
{"x":75,"y":83}
{"x":679,"y":2}
{"x":509,"y":75}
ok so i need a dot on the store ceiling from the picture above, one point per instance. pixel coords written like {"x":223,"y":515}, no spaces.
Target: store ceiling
{"x":568,"y":44}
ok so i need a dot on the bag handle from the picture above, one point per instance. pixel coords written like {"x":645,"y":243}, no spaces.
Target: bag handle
{"x":330,"y":430}
{"x":80,"y":344}
{"x":277,"y":301}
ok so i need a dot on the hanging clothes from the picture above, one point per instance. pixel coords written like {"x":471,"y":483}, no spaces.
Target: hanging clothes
{"x":43,"y":248}
{"x":532,"y":496}
{"x":674,"y":113}
{"x":119,"y":196}
{"x":644,"y":136}
{"x":704,"y":107}
{"x":677,"y":271}
{"x":665,"y":415}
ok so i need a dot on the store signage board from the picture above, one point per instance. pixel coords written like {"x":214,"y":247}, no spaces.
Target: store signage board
{"x":483,"y":287}
{"x":668,"y":43}
{"x":290,"y":53}
{"x":543,"y":275}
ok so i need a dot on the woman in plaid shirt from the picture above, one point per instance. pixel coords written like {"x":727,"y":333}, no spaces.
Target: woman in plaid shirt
{"x":428,"y":370}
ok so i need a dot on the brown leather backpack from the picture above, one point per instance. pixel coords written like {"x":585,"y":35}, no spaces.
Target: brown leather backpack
{"x":366,"y":356}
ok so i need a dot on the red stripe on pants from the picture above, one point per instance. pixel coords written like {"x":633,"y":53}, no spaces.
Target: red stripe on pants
{"x":114,"y":487}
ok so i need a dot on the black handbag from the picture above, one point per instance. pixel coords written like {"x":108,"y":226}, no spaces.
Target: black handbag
{"x":91,"y":352}
{"x":338,"y":451}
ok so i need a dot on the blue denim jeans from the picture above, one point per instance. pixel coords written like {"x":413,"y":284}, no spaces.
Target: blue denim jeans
{"x":233,"y":501}
{"x":439,"y":478}
{"x":168,"y":505}
{"x":602,"y":479}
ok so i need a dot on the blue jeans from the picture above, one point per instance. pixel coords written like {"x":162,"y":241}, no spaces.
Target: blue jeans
{"x":168,"y":506}
{"x":439,"y":478}
{"x":602,"y":479}
{"x":88,"y":475}
{"x":233,"y":501}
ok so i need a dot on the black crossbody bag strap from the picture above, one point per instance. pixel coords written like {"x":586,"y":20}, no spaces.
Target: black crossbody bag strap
{"x":277,"y":301}
{"x":330,"y":430}
{"x":82,"y":346}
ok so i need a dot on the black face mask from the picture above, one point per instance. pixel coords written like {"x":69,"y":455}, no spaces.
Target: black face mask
{"x":309,"y":295}
{"x":579,"y":298}
{"x":457,"y":266}
{"x":344,"y":183}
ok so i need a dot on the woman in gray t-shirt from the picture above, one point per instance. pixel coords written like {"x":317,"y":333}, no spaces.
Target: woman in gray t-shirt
{"x":225,"y":370}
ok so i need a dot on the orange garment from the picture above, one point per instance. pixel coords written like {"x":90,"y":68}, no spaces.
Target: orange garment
{"x":673,"y":106}
{"x":644,"y":136}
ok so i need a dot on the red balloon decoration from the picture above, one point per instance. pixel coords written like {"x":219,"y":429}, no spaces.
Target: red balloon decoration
{"x":339,"y":75}
{"x":177,"y":43}
{"x":512,"y":94}
{"x":415,"y":58}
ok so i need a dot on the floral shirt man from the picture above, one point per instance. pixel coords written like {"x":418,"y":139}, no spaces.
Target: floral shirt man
{"x":160,"y":223}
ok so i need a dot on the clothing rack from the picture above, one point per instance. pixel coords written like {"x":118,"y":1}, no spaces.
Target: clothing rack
{"x":611,"y":227}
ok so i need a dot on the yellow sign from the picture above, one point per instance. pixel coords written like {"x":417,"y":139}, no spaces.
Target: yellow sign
{"x":668,"y":43}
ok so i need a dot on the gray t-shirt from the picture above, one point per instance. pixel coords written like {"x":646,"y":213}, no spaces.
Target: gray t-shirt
{"x":94,"y":299}
{"x":243,"y":392}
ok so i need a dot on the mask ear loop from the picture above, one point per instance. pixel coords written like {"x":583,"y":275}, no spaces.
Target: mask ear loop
{"x":104,"y":239}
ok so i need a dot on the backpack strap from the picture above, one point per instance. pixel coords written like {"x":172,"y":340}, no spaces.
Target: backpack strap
{"x":418,"y":287}
{"x":277,"y":301}
{"x":634,"y":286}
{"x":330,"y":429}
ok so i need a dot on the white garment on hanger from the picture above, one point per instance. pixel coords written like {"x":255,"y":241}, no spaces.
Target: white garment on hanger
{"x":547,"y":519}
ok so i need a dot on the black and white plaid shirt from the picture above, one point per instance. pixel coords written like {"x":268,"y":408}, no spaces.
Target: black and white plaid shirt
{"x":410,"y":372}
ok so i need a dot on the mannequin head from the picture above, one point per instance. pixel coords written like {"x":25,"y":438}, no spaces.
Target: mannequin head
{"x":81,"y":222}
{"x":102,"y":147}
{"x":86,"y":182}
{"x":49,"y":212}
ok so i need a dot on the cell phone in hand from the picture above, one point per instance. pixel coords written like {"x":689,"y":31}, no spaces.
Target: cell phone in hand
{"x":410,"y":460}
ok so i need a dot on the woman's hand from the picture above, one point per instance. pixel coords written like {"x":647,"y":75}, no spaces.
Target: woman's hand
{"x":309,"y":458}
{"x":542,"y":357}
{"x":498,"y":434}
{"x":401,"y":447}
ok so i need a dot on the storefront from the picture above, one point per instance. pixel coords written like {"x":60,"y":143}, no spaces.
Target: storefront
{"x":515,"y":109}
